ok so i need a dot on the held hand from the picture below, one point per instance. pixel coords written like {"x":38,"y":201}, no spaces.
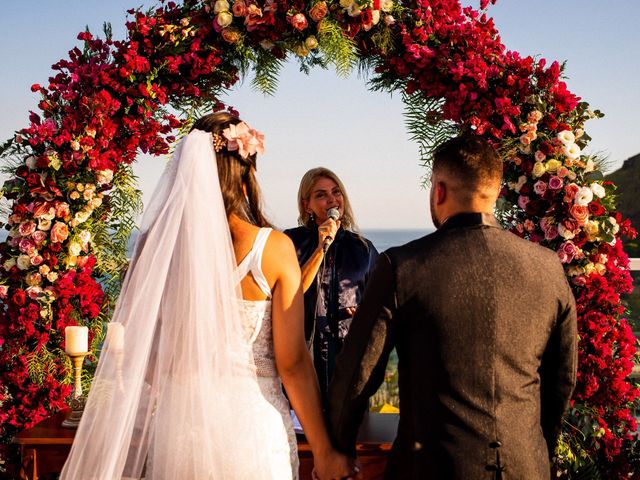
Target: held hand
{"x":336,"y":466}
{"x":328,"y":229}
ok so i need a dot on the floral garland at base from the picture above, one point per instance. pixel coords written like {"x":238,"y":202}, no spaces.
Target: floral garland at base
{"x":111,"y":99}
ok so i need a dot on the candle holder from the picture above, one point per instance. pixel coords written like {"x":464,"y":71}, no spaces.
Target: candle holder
{"x":77,"y":399}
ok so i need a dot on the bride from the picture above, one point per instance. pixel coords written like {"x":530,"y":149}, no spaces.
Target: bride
{"x":193,"y":387}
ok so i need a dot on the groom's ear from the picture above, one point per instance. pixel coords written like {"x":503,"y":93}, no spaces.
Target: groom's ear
{"x":441,"y":193}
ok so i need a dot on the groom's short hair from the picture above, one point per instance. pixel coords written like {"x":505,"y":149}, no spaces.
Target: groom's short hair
{"x":471,"y":160}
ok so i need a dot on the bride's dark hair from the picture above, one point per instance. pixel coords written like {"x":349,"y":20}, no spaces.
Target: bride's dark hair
{"x":234,"y":172}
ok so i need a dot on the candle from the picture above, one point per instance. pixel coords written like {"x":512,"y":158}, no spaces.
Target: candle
{"x":76,"y":340}
{"x":115,"y":336}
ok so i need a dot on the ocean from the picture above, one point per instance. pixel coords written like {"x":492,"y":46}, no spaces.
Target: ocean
{"x":383,"y":239}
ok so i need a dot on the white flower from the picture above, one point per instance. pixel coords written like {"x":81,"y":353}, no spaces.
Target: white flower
{"x":75,"y":248}
{"x":386,"y":5}
{"x":9,"y":264}
{"x":597,"y":189}
{"x":85,"y":236}
{"x":24,"y":262}
{"x":571,"y":150}
{"x":567,"y":137}
{"x":82,"y":216}
{"x":615,"y":227}
{"x":583,"y":197}
{"x":375,"y":17}
{"x":590,"y":167}
{"x":221,"y":6}
{"x":104,"y":176}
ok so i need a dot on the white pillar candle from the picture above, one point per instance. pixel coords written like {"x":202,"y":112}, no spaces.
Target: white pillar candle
{"x":76,"y":340}
{"x":115,"y":336}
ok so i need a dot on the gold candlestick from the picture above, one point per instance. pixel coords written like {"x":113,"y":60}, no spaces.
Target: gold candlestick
{"x":77,"y":399}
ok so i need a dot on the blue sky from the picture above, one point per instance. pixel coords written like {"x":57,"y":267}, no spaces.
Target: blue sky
{"x":338,"y":123}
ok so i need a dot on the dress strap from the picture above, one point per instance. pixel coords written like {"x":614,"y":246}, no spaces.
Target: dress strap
{"x":252,"y":263}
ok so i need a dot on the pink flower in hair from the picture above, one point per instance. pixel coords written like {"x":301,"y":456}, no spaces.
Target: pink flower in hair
{"x":244,"y":139}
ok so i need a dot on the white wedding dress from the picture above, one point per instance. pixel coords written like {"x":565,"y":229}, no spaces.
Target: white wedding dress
{"x":256,"y":318}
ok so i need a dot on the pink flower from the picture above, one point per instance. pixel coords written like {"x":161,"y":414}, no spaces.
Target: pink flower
{"x":563,"y":171}
{"x":551,"y":232}
{"x":245,"y":139}
{"x":540,"y":187}
{"x":4,"y":291}
{"x":36,"y":260}
{"x":539,"y":156}
{"x":522,"y":201}
{"x":570,"y":192}
{"x":38,"y":237}
{"x":26,"y":245}
{"x":555,"y":183}
{"x":27,"y":228}
{"x":239,"y":8}
{"x":580,"y":213}
{"x":59,"y":232}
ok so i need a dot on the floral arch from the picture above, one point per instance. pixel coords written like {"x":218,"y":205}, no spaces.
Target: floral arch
{"x":71,"y":199}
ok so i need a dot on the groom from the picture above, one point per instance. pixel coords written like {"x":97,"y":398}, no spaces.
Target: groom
{"x":484,"y":325}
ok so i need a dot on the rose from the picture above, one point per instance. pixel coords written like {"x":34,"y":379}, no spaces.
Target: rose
{"x":389,"y":20}
{"x":23,"y":261}
{"x":598,"y":190}
{"x":553,"y":165}
{"x":26,"y":245}
{"x":62,"y":210}
{"x":539,"y":156}
{"x":540,"y":187}
{"x":59,"y":232}
{"x":19,"y":297}
{"x":570,"y":191}
{"x":523,"y":201}
{"x":27,"y":228}
{"x":555,"y":183}
{"x":33,"y":279}
{"x":583,"y":197}
{"x":82,"y":216}
{"x":240,"y":9}
{"x":52,"y":276}
{"x":386,"y":5}
{"x":614,"y":225}
{"x":311,"y":42}
{"x":592,"y":230}
{"x":566,"y":137}
{"x":44,"y":224}
{"x":551,"y":232}
{"x":36,"y":260}
{"x":318,"y":11}
{"x":33,"y":292}
{"x":9,"y":264}
{"x":221,"y":6}
{"x":534,"y":116}
{"x":538,"y":169}
{"x":563,"y":172}
{"x":44,"y":269}
{"x":564,"y":232}
{"x":525,"y":139}
{"x":580,"y":213}
{"x":298,"y":21}
{"x":104,"y":177}
{"x":39,"y":236}
{"x":596,"y":209}
{"x":230,"y":35}
{"x":4,"y":291}
{"x":224,"y":19}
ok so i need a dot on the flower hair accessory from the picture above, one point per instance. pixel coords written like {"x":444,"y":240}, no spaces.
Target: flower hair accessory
{"x":240,"y":137}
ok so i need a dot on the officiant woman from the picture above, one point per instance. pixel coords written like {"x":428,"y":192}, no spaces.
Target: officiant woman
{"x":333,"y":281}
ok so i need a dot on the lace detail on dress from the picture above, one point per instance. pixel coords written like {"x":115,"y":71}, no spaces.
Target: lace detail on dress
{"x":283,"y":444}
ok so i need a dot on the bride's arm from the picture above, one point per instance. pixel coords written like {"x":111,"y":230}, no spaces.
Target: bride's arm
{"x":292,"y":358}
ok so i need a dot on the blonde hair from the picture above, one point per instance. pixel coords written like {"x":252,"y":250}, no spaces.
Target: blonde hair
{"x":307,"y":183}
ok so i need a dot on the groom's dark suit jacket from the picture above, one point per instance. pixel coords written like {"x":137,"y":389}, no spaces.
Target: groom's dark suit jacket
{"x":484,"y":325}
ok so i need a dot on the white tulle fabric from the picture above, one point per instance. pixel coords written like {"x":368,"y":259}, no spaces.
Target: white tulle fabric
{"x":180,"y":399}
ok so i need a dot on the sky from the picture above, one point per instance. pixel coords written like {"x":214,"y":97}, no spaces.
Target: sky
{"x":325,"y":120}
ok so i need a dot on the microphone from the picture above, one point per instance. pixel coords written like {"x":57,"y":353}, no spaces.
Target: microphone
{"x":334,"y":214}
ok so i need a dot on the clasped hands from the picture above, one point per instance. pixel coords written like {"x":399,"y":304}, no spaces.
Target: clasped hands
{"x":336,"y":466}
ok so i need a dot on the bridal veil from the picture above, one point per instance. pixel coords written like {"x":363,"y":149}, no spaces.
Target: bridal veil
{"x":178,"y":398}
